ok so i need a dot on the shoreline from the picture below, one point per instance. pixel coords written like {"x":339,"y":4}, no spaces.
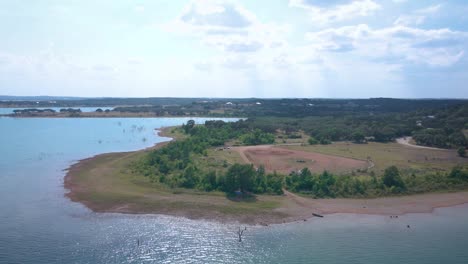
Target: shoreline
{"x":110,"y":115}
{"x":99,"y":183}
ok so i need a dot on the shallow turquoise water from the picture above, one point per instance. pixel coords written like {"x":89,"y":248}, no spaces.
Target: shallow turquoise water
{"x":39,"y":225}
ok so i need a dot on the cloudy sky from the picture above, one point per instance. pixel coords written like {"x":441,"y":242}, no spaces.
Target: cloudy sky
{"x":211,"y":48}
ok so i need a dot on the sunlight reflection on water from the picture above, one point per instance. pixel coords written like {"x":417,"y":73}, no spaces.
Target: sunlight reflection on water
{"x":39,"y":225}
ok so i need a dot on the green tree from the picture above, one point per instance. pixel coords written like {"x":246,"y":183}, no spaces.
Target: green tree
{"x":358,"y":137}
{"x":274,"y":183}
{"x":392,"y":178}
{"x":239,"y":177}
{"x":459,"y":172}
{"x":461,"y":151}
{"x":189,"y":126}
{"x":189,"y":178}
{"x":312,"y":141}
{"x":208,"y":181}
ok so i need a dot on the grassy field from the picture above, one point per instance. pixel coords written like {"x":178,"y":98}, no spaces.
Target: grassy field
{"x":383,"y":155}
{"x":218,"y":160}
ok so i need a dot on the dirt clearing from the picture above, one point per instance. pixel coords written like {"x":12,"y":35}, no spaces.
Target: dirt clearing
{"x":285,"y":161}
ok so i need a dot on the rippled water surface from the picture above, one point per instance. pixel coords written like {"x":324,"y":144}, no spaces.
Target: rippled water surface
{"x":39,"y":225}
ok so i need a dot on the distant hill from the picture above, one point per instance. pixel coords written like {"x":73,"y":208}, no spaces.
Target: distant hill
{"x":38,"y":98}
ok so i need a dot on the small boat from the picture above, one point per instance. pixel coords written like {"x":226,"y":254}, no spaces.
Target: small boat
{"x":317,"y":215}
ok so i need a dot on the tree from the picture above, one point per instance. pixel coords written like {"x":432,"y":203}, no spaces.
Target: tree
{"x":239,"y":177}
{"x":187,"y":127}
{"x":189,"y":178}
{"x":274,"y":183}
{"x":312,"y":141}
{"x":461,"y":151}
{"x":459,"y":172}
{"x":392,"y":178}
{"x":358,"y":137}
{"x":208,"y":182}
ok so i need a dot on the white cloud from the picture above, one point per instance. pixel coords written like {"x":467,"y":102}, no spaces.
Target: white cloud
{"x":429,"y":10}
{"x":436,"y":47}
{"x":338,"y":12}
{"x":227,"y":26}
{"x":212,"y":17}
{"x":408,"y":20}
{"x":417,"y":17}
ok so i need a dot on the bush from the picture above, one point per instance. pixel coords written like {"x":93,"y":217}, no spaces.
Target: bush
{"x":461,"y":151}
{"x":392,"y":178}
{"x":312,"y":141}
{"x":459,"y":172}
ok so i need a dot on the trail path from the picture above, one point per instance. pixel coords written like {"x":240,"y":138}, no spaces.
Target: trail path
{"x":406,"y":141}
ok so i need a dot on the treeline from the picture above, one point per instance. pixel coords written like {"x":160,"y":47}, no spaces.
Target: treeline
{"x":174,"y":164}
{"x":441,"y":127}
{"x":327,"y":185}
{"x":32,"y":111}
{"x":47,"y":110}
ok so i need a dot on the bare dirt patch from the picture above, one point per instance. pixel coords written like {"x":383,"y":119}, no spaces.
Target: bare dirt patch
{"x":285,"y":160}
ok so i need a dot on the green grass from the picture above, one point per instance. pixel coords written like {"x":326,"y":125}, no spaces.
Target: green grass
{"x":216,"y":160}
{"x":383,"y":155}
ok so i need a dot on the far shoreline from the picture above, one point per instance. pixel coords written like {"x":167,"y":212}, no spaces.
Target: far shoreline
{"x":87,"y":182}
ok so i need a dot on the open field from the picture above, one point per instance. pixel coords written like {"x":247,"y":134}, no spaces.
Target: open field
{"x":383,"y":155}
{"x":285,"y":160}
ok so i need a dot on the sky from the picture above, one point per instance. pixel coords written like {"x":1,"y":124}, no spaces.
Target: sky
{"x":217,"y":48}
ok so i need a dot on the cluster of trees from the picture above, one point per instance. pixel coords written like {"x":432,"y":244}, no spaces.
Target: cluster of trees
{"x":257,"y":137}
{"x":70,"y":110}
{"x":246,"y":179}
{"x":32,"y":111}
{"x":443,"y":127}
{"x":174,"y":164}
{"x":432,"y":127}
{"x":440,"y":138}
{"x":99,"y":110}
{"x":327,"y":185}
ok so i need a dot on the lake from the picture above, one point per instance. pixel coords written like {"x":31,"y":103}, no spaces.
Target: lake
{"x":39,"y":225}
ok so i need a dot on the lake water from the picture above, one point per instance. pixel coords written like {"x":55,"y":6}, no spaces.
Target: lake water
{"x":39,"y":225}
{"x":5,"y":111}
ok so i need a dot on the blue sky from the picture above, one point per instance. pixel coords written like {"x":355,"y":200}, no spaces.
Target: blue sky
{"x":211,"y":48}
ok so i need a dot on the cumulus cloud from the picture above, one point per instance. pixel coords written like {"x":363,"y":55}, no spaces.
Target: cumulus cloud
{"x":429,"y":10}
{"x":212,"y":17}
{"x":436,"y":47}
{"x":417,"y":17}
{"x":335,"y":11}
{"x":408,"y":20}
{"x":226,"y":25}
